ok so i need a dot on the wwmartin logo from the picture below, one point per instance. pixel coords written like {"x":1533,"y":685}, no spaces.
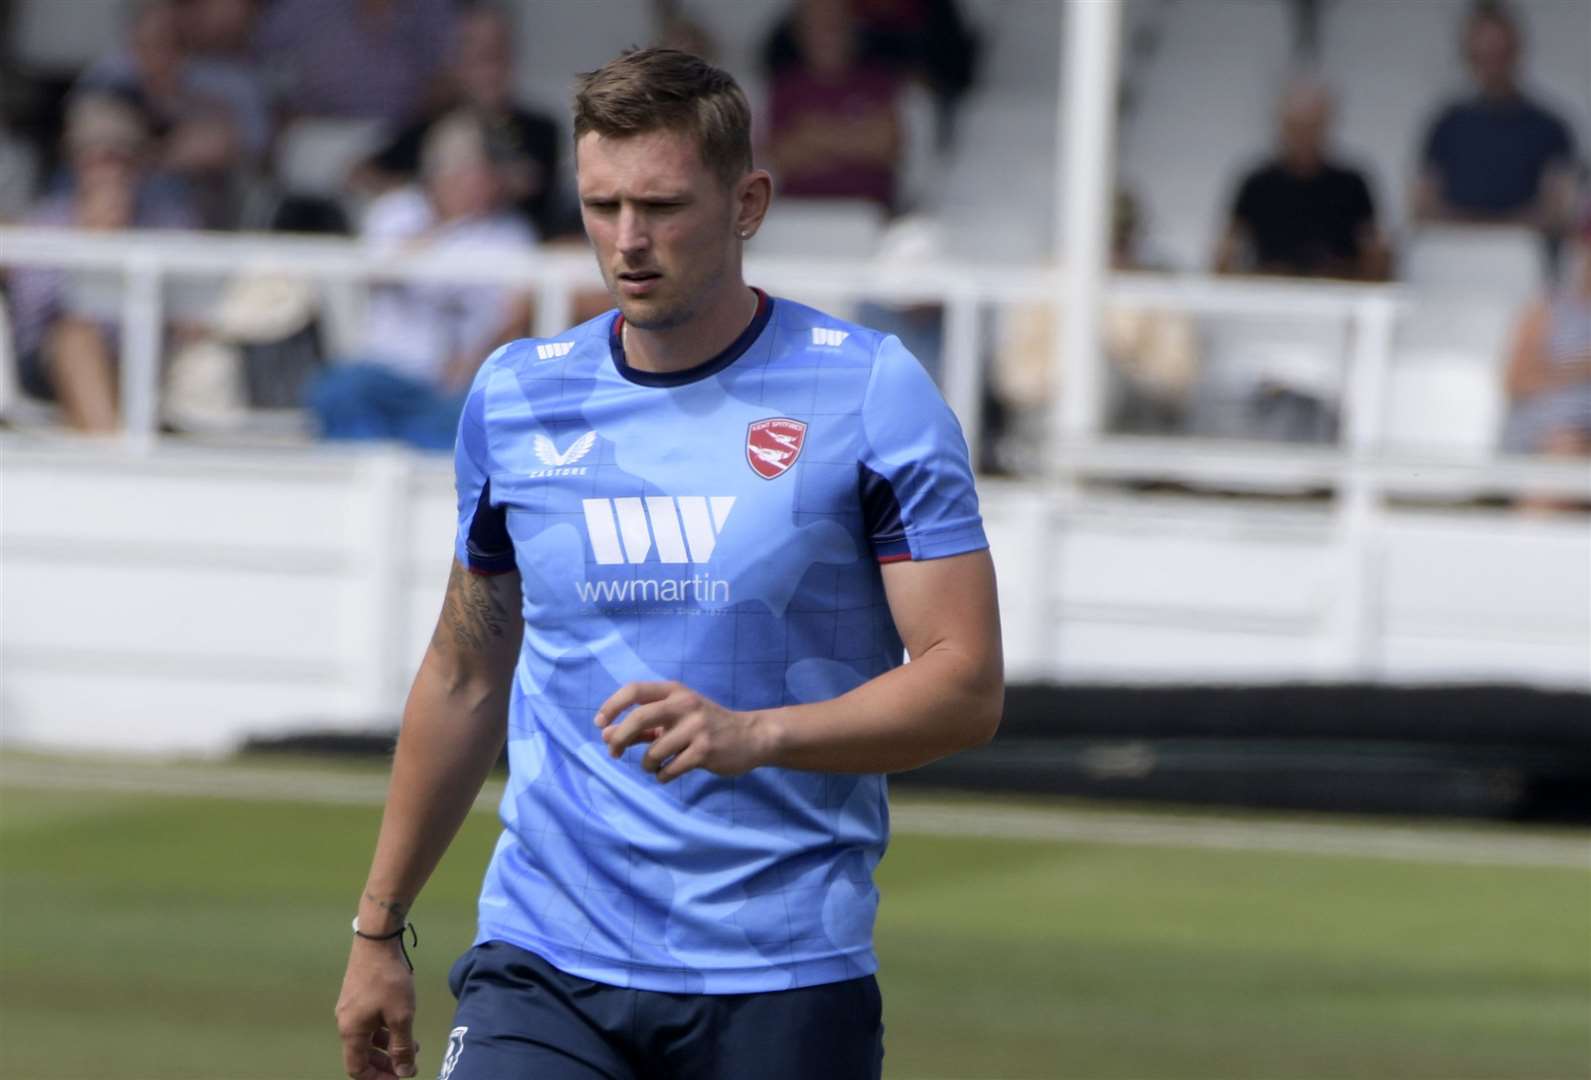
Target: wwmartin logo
{"x":561,"y":464}
{"x":684,"y":529}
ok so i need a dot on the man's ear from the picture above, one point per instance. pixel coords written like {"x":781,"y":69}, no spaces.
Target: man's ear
{"x":752,"y":195}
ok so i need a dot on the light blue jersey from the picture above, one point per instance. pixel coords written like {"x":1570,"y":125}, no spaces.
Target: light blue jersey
{"x":722,"y":527}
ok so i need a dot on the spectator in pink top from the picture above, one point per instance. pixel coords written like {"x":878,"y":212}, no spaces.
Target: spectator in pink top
{"x":834,"y":123}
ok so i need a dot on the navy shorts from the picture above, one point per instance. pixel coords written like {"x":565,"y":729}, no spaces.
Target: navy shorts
{"x":520,"y":1018}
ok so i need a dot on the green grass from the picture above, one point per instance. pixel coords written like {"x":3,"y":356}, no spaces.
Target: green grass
{"x":159,"y":937}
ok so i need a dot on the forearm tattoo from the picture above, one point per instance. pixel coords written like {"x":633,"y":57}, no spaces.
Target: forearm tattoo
{"x":476,"y":611}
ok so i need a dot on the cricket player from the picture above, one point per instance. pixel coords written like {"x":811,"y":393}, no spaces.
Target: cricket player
{"x":696,"y":536}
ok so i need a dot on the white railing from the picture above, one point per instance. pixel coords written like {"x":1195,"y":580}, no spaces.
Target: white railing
{"x":149,"y":263}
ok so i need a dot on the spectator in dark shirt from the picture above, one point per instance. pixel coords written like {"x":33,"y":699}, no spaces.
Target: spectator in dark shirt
{"x":524,"y":144}
{"x":834,"y":121}
{"x":1498,"y":156}
{"x":1301,"y":213}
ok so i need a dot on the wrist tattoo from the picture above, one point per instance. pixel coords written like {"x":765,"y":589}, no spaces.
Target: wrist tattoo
{"x":396,"y":908}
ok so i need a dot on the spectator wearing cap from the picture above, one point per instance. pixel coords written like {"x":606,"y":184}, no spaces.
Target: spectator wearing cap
{"x":423,"y":341}
{"x":1302,"y":212}
{"x":65,"y":320}
{"x":1498,"y":155}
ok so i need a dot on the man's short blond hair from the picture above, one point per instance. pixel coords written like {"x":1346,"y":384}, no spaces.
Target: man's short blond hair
{"x":647,"y":90}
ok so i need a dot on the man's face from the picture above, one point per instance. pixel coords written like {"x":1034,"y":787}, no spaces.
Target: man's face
{"x":661,"y":222}
{"x":156,"y":44}
{"x":1493,"y":55}
{"x":483,"y":60}
{"x":1305,"y":119}
{"x":467,"y":189}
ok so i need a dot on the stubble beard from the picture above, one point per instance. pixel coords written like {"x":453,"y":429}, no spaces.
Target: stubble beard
{"x":668,"y":314}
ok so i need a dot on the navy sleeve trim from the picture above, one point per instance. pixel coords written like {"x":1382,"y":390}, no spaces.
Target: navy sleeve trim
{"x":881,"y":514}
{"x":491,"y":550}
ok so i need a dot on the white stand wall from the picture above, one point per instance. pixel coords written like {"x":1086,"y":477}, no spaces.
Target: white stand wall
{"x":188,"y":599}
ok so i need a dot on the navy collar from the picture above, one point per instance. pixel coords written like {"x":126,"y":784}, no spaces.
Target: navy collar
{"x":713,"y":366}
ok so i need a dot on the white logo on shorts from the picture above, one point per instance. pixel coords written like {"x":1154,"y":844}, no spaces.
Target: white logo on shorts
{"x":455,"y":1050}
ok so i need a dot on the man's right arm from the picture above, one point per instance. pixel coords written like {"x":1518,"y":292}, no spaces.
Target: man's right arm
{"x":454,"y":726}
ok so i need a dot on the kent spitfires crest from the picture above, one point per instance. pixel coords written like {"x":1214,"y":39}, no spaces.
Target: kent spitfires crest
{"x":773,"y":445}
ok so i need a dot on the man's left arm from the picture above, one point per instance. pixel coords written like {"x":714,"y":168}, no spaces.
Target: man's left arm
{"x":948,"y":698}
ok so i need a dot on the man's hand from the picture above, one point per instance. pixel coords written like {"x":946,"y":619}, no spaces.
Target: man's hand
{"x":375,"y":1012}
{"x":687,"y":731}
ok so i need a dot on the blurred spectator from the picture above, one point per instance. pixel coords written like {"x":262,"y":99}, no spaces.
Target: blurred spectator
{"x":1302,"y":213}
{"x":525,"y":145}
{"x":676,"y":29}
{"x":220,"y":32}
{"x":211,"y":118}
{"x":355,"y":59}
{"x":66,"y":331}
{"x":422,"y":342}
{"x":1549,"y":366}
{"x":1498,"y":156}
{"x":834,"y":128}
{"x":1153,"y":356}
{"x":923,"y":39}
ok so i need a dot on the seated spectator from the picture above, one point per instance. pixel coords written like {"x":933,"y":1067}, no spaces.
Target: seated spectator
{"x":66,"y":331}
{"x":1497,"y":156}
{"x":1152,"y":354}
{"x":212,"y":120}
{"x":834,"y":122}
{"x":524,"y":144}
{"x":924,"y":39}
{"x":423,"y":341}
{"x":1549,"y":367}
{"x":1301,"y":212}
{"x":355,"y":59}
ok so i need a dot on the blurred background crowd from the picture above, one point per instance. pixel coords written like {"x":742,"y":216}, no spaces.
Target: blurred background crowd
{"x":416,"y":123}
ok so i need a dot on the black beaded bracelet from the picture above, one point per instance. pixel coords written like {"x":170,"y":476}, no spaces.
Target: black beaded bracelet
{"x":414,"y":938}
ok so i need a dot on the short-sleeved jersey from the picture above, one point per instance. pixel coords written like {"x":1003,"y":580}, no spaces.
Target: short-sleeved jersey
{"x":721,"y":526}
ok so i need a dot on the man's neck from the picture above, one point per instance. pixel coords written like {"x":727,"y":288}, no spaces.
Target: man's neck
{"x":695,"y":342}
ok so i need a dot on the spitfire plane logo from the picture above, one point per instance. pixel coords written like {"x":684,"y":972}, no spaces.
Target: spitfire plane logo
{"x":455,"y":1049}
{"x":772,"y":446}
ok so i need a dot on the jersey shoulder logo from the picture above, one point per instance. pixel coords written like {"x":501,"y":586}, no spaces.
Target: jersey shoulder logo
{"x":547,"y":451}
{"x":553,"y":349}
{"x":823,"y":335}
{"x":773,"y":445}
